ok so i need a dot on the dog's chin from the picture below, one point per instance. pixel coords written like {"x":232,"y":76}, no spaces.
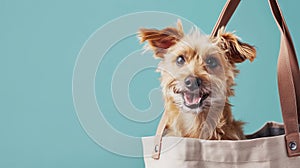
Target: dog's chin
{"x":193,"y":102}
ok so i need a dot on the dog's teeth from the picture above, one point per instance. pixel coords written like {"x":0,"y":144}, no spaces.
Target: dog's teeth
{"x":191,"y":98}
{"x":196,"y":99}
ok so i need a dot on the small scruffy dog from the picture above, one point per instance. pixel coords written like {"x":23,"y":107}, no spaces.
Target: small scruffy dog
{"x":197,"y":76}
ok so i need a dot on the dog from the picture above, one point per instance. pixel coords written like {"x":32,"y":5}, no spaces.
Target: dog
{"x":197,"y":79}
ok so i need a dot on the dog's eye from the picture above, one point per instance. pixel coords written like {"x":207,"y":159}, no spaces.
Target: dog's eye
{"x":180,"y":60}
{"x":211,"y":62}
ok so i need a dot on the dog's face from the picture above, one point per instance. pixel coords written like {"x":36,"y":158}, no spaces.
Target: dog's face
{"x":197,"y":71}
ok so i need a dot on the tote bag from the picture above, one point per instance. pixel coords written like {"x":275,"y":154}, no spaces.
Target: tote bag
{"x":273,"y":146}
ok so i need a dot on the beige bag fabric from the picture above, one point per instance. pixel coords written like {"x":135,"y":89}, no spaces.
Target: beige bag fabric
{"x":273,"y":146}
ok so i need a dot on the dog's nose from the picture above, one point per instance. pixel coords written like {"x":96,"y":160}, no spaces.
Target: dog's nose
{"x":192,"y":83}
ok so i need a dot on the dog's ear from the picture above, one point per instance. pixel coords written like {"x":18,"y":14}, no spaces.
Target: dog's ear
{"x":161,"y":40}
{"x":235,"y":50}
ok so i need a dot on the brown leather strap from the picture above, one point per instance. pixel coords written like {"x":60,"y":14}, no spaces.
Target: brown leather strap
{"x":158,"y":137}
{"x":288,"y":80}
{"x":225,"y":15}
{"x":288,"y":83}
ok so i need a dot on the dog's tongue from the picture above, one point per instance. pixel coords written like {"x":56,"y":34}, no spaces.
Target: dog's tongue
{"x":191,"y":98}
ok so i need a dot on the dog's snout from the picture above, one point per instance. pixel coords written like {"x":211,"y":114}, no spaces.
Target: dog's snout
{"x":192,"y":83}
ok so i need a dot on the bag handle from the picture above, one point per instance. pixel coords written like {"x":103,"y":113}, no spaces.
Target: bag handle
{"x":288,"y":83}
{"x":158,"y":137}
{"x":288,"y":74}
{"x":288,"y":80}
{"x":225,"y":15}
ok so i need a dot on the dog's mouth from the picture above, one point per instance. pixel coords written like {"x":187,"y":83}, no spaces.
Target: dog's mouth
{"x":194,"y":100}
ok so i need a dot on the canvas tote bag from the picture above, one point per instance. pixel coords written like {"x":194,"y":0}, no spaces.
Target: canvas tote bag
{"x":273,"y":146}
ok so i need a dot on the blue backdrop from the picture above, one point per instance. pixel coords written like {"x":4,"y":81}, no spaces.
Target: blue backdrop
{"x":39,"y":44}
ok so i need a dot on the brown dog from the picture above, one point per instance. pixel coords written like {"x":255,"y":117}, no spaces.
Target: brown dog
{"x":197,"y":76}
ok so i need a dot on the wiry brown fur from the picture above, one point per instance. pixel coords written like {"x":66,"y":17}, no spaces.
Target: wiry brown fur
{"x":213,"y":120}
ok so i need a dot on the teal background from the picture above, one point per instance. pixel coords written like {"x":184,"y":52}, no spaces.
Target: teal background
{"x":39,"y":43}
